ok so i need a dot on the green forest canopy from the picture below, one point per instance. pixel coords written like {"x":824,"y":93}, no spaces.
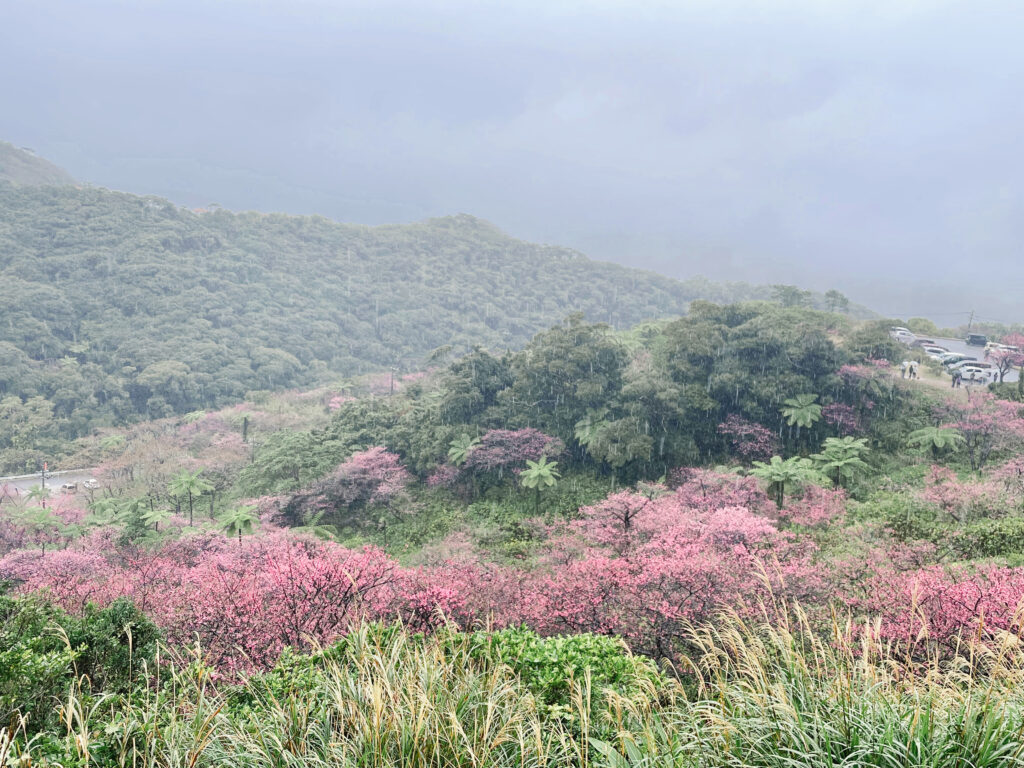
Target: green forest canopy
{"x":119,"y":307}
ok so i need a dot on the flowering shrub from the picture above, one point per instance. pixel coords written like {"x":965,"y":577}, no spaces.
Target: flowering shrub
{"x":243,"y":602}
{"x":937,"y":606}
{"x":502,"y":449}
{"x":638,"y":565}
{"x":748,"y":440}
{"x":988,"y":425}
{"x":843,"y":417}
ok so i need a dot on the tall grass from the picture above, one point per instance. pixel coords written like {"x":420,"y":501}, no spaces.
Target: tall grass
{"x":774,"y":695}
{"x":759,"y":695}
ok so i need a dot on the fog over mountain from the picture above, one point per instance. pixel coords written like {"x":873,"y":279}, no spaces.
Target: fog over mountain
{"x":869,"y":146}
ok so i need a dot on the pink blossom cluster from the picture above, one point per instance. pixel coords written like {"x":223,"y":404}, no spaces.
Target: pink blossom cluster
{"x":375,"y":475}
{"x":750,"y":441}
{"x":987,"y":424}
{"x":962,"y":501}
{"x":501,"y":449}
{"x":843,"y":417}
{"x":938,"y":607}
{"x":640,"y":565}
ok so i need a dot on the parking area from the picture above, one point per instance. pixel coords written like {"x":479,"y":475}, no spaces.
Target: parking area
{"x":953,"y":345}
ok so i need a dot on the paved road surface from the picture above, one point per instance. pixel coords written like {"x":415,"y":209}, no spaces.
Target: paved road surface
{"x":959,"y":345}
{"x":53,"y":482}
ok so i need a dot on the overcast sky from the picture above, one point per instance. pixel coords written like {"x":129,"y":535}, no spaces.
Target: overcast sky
{"x":870,"y":146}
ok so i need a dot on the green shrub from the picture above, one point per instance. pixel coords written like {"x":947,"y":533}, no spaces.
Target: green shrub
{"x":905,"y":516}
{"x":43,"y":650}
{"x":549,"y":666}
{"x":990,"y":537}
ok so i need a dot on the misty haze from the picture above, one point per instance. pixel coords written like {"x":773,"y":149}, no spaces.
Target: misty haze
{"x":868,"y":146}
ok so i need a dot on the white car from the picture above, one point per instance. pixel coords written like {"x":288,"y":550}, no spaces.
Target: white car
{"x":993,"y":347}
{"x":974,"y":373}
{"x":972,"y":363}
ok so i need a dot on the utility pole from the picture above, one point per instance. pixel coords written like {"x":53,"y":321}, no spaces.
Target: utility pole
{"x":970,"y":321}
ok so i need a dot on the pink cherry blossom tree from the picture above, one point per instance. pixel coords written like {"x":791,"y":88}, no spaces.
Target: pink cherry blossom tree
{"x":748,"y":440}
{"x":986,"y":423}
{"x":500,"y":450}
{"x":843,"y":417}
{"x":1006,"y":360}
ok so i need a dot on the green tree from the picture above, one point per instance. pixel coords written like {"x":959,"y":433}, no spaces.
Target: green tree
{"x":841,"y":459}
{"x":802,"y":411}
{"x":41,"y":522}
{"x":191,"y":485}
{"x":459,"y":448}
{"x":836,"y":302}
{"x":539,"y":475}
{"x":936,"y":440}
{"x":587,"y":429}
{"x":563,"y":373}
{"x":156,"y":516}
{"x":315,"y":527}
{"x":791,"y":296}
{"x":23,"y":424}
{"x":783,"y":477}
{"x":38,"y":493}
{"x":239,"y":521}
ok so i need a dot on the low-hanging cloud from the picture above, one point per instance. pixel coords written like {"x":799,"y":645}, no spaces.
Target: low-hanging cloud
{"x":870,"y":146}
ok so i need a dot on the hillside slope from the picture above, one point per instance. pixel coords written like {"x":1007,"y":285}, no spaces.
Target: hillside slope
{"x":118,"y":306}
{"x":20,"y":166}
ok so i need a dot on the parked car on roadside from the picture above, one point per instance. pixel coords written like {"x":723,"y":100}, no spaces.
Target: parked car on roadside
{"x":974,"y":373}
{"x":976,"y":339}
{"x":91,"y":484}
{"x":993,"y":346}
{"x":69,"y":487}
{"x":974,"y":363}
{"x":955,"y":357}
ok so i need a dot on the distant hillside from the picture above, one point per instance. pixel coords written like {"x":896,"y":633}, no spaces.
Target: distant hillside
{"x":118,"y":306}
{"x":20,"y":166}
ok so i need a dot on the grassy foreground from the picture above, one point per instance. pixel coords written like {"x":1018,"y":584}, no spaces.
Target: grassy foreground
{"x":753,"y":696}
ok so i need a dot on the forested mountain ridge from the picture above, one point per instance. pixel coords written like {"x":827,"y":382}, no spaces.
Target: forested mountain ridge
{"x":21,"y":166}
{"x":118,"y":306}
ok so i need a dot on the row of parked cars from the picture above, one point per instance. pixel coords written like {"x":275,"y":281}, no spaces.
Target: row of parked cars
{"x":969,"y":367}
